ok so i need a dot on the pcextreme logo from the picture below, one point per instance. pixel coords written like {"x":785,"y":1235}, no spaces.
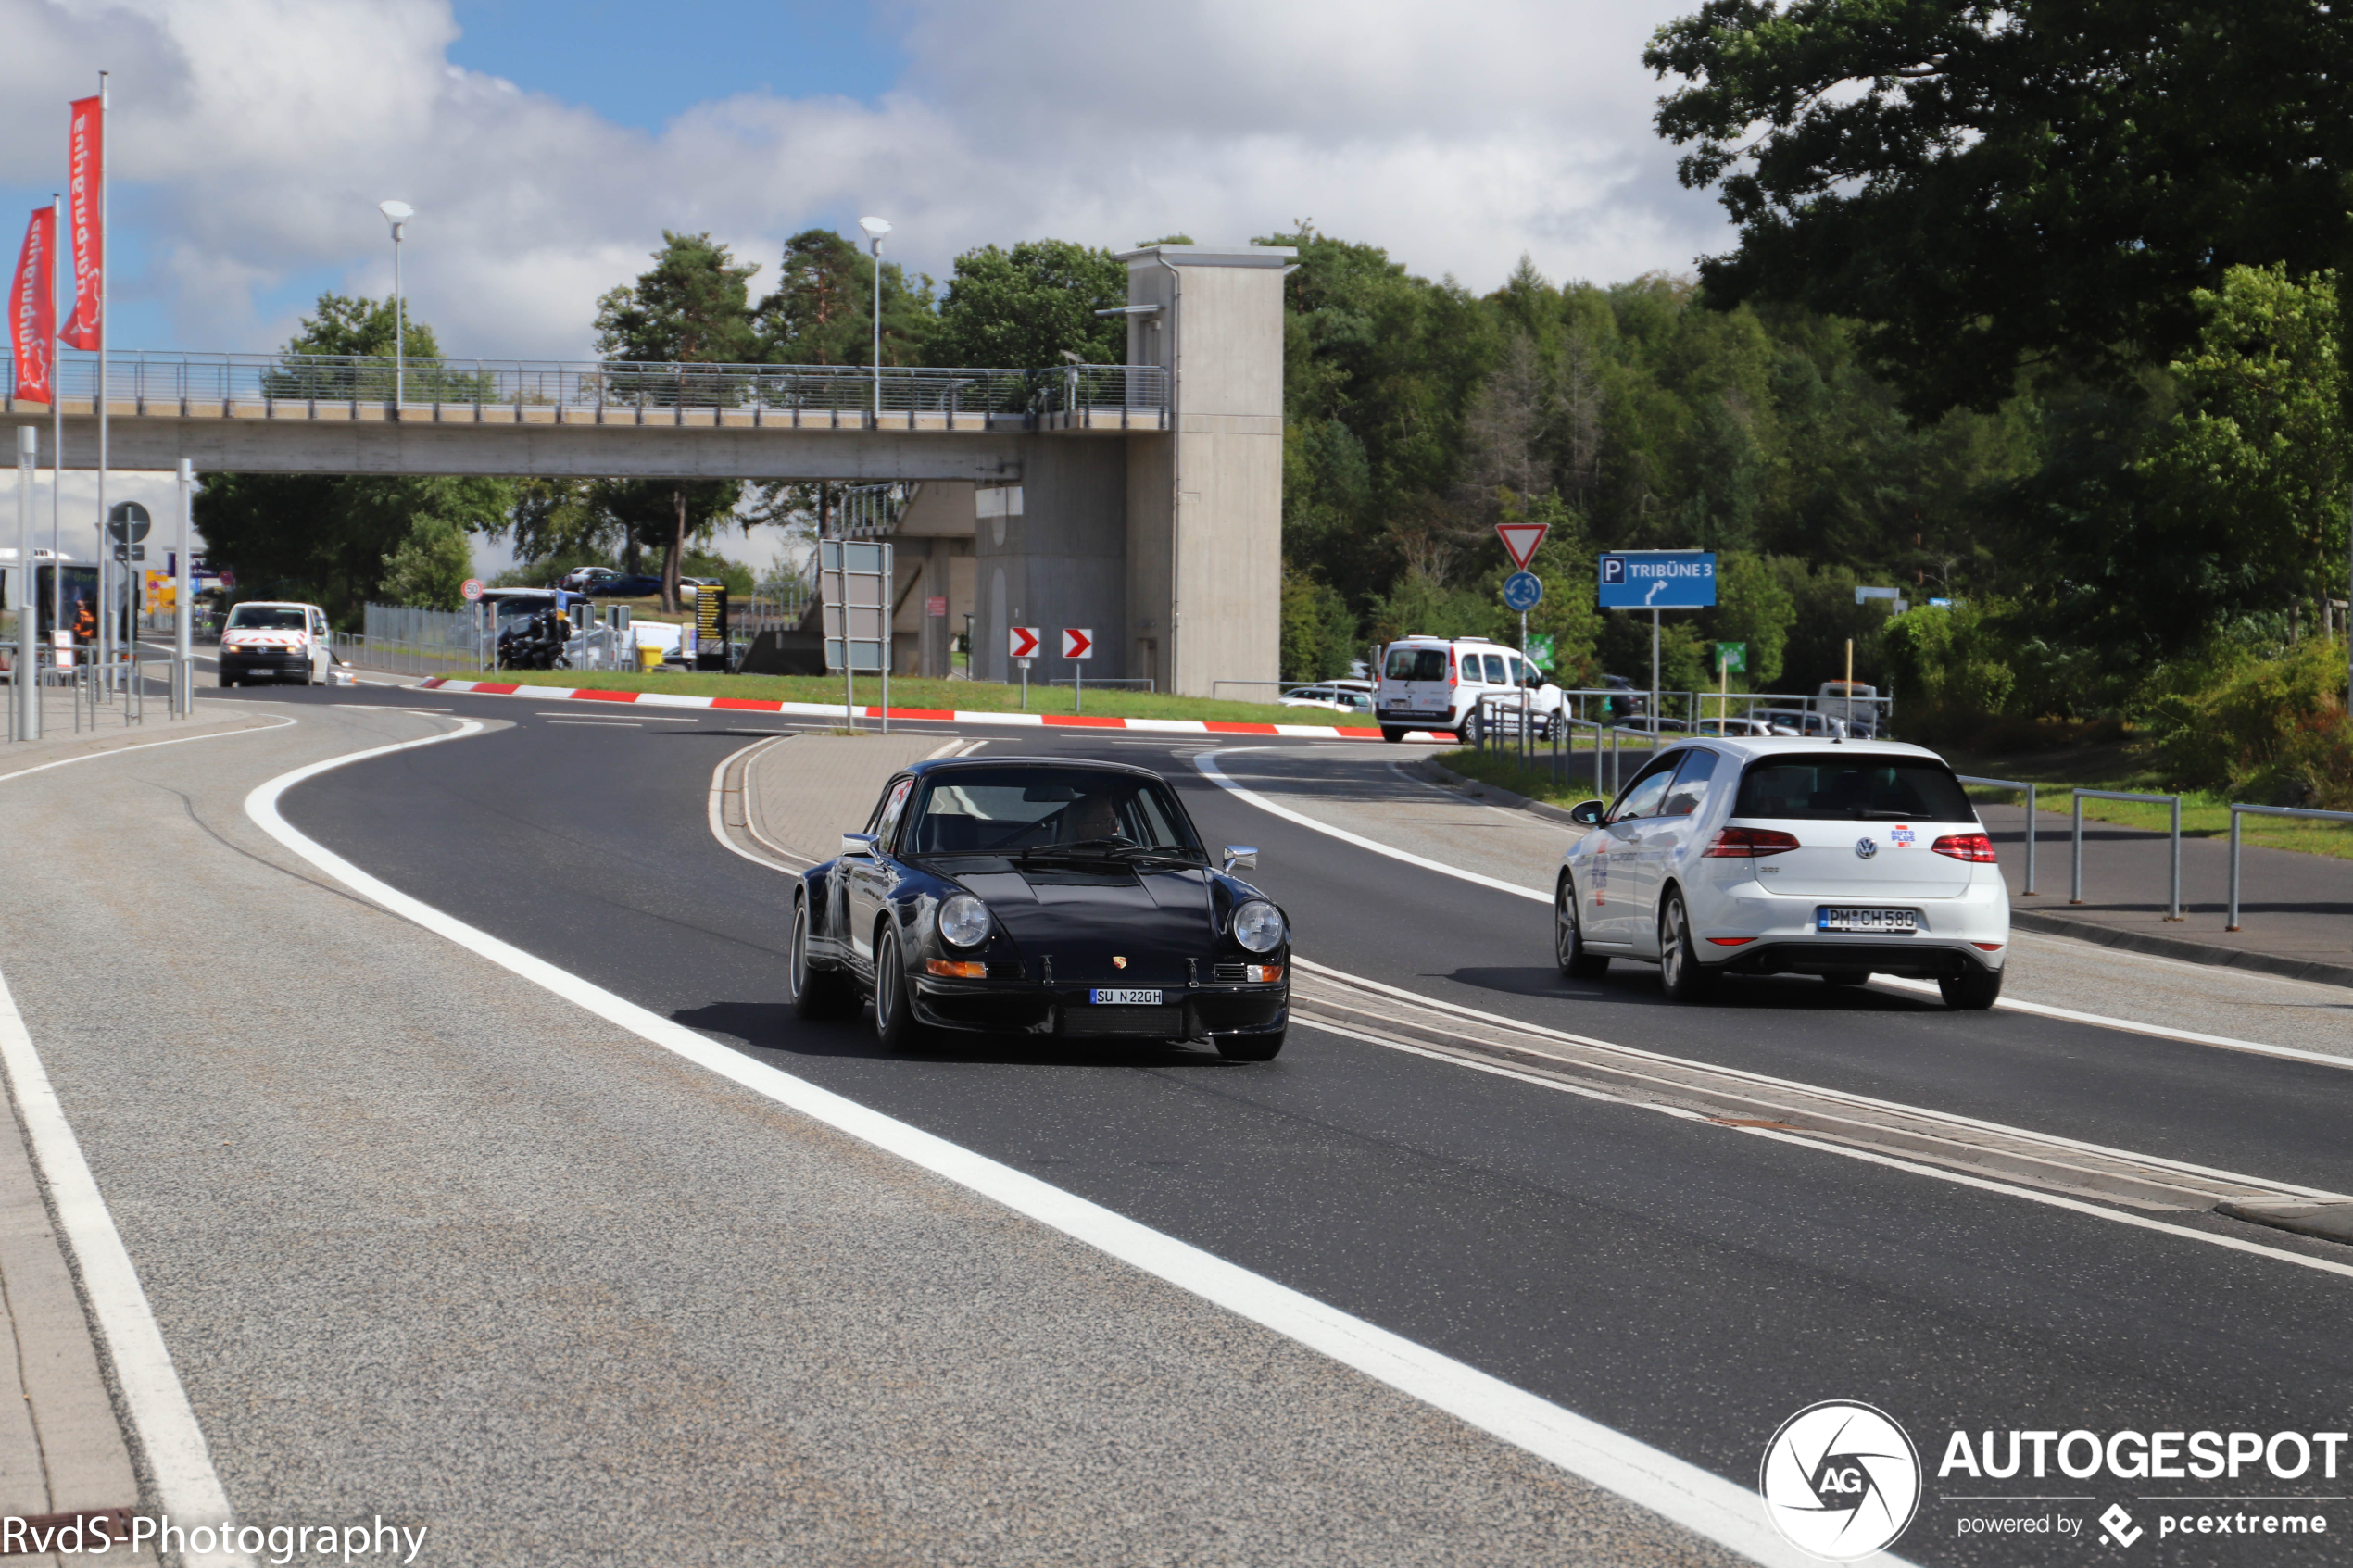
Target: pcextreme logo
{"x":1840,"y":1480}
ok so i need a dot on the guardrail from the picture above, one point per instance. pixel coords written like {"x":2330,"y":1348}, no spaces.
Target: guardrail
{"x":180,"y":384}
{"x":2231,"y":923}
{"x":2075,"y":881}
{"x":2028,"y":891}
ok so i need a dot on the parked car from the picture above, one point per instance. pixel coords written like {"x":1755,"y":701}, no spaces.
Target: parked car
{"x":1799,"y":722}
{"x":625,"y":587}
{"x":277,"y":640}
{"x":1436,"y":684}
{"x":1041,"y":895}
{"x":1332,"y":696}
{"x":1785,"y":855}
{"x":1853,"y":704}
{"x":1734,"y":727}
{"x":583,"y":579}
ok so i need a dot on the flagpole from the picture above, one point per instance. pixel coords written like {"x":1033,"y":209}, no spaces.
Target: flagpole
{"x":108,"y":587}
{"x":56,"y":421}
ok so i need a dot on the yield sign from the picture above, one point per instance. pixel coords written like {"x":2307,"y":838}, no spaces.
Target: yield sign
{"x":1520,"y":540}
{"x":1078,"y":642}
{"x":1023,"y":640}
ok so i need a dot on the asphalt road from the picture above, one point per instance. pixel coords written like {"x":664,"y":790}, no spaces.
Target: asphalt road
{"x":1683,"y":1283}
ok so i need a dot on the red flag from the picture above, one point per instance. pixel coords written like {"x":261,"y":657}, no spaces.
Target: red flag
{"x":85,"y":168}
{"x":32,"y":306}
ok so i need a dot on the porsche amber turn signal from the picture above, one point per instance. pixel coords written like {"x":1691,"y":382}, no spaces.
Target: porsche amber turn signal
{"x":947,"y":969}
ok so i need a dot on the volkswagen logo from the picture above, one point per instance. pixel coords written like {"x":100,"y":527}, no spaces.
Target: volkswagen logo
{"x":1840,"y":1480}
{"x":1864,"y":848}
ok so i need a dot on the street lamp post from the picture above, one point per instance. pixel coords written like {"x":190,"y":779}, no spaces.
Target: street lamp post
{"x":875,"y":229}
{"x":399,"y":214}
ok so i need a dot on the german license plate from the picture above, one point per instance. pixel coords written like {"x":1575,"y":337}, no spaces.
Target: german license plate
{"x":1902,"y":922}
{"x":1124,"y":999}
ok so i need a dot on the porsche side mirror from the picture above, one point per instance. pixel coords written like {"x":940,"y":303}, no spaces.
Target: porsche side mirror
{"x":859,"y":843}
{"x":1244,"y":855}
{"x":1588,"y":813}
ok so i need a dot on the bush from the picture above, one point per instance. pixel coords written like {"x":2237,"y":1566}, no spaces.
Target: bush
{"x":2268,"y":730}
{"x":1950,"y":667}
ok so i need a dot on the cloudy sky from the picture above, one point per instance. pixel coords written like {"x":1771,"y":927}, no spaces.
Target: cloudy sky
{"x":545,"y":143}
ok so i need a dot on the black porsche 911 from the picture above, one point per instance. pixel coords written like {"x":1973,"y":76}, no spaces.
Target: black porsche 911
{"x":1043,"y":896}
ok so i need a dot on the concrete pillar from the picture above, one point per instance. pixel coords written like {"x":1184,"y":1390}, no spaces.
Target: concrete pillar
{"x":1060,"y":560}
{"x":1204,"y":505}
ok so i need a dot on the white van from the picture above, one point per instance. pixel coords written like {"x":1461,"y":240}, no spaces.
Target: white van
{"x":1854,"y":705}
{"x":1434,"y":682}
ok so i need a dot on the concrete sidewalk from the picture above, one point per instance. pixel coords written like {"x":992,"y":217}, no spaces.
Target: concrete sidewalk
{"x":114,"y":731}
{"x":2295,"y":910}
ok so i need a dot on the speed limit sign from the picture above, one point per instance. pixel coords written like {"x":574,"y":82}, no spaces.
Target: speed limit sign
{"x":472,"y":589}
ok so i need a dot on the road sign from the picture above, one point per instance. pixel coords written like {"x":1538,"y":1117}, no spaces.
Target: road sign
{"x":936,"y":607}
{"x":1078,"y":642}
{"x":1023,"y":640}
{"x":1732,"y":656}
{"x":1523,"y":591}
{"x":472,"y":589}
{"x":1521,"y":539}
{"x":1540,"y":651}
{"x":131,"y":552}
{"x":128,"y":523}
{"x":1658,"y":579}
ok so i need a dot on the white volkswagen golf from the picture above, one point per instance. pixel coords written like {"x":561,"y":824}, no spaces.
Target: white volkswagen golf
{"x":1774,"y":856}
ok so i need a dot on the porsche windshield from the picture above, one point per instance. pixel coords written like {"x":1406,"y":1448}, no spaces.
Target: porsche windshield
{"x":1016,"y":810}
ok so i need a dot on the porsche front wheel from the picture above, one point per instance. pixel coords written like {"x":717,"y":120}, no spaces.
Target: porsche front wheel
{"x":895,"y":1023}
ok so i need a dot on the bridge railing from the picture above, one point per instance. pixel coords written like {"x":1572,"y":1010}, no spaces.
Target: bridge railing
{"x":166,"y":383}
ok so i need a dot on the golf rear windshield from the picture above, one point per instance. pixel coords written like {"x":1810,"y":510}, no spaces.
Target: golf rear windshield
{"x":1830,"y":787}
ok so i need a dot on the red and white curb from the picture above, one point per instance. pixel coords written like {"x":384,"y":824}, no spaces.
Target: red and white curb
{"x":937,"y":715}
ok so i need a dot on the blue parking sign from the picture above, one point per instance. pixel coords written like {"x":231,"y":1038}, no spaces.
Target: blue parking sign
{"x":1657,"y":580}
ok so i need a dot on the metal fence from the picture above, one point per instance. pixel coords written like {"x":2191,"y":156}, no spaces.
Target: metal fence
{"x":405,"y":640}
{"x":2027,"y":788}
{"x":158,"y":382}
{"x":2237,"y":810}
{"x":2075,"y":873}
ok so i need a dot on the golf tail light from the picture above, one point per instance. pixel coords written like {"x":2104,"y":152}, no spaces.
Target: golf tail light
{"x":947,"y":969}
{"x":1748,"y":844}
{"x":1966,"y":847}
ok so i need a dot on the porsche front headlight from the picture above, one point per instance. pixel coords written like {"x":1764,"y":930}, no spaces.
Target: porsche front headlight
{"x":1258,"y":926}
{"x":964,"y":921}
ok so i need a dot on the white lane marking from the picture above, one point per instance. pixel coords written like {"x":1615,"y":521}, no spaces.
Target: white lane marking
{"x":574,"y":717}
{"x":950,"y":749}
{"x":387,"y":707}
{"x":2163,"y":1032}
{"x":2048,"y":1140}
{"x":718,"y":819}
{"x":2033,"y":1195}
{"x":1702,"y":1502}
{"x":601,"y":724}
{"x":186,"y":1484}
{"x":148,"y":746}
{"x":1204,"y":763}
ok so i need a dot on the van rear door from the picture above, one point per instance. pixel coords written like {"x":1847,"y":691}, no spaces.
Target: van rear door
{"x":1414,"y":684}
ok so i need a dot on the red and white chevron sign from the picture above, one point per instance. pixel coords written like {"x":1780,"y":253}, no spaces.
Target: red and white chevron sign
{"x":1024,"y":642}
{"x":1078,"y":642}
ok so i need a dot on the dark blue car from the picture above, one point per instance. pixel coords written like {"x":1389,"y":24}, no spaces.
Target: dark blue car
{"x":1041,"y":897}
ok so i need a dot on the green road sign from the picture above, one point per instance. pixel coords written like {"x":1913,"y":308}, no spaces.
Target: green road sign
{"x":1732,"y":656}
{"x":1540,"y":651}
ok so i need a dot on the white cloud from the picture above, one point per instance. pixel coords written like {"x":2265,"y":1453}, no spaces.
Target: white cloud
{"x":259,"y":135}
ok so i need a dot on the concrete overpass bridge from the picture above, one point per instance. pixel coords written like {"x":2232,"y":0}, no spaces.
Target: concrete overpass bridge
{"x":1143,"y":500}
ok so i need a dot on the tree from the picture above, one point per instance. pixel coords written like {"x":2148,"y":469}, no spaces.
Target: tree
{"x":431,"y":567}
{"x":1026,"y":307}
{"x":2246,"y":481}
{"x":1990,"y":186}
{"x":1753,"y":606}
{"x":692,"y":306}
{"x":331,"y":539}
{"x":823,"y":309}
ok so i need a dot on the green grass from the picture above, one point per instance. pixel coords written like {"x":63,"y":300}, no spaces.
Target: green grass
{"x":907,"y":691}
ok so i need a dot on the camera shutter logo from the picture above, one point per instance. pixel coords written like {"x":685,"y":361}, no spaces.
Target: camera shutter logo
{"x":1840,"y":1480}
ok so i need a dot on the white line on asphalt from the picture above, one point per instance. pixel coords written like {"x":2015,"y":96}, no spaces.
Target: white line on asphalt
{"x":2032,"y":1195}
{"x":718,"y":808}
{"x":1206,"y":762}
{"x":574,"y":717}
{"x":2049,"y":1140}
{"x":1704,"y":1504}
{"x":186,"y":1484}
{"x":601,"y":724}
{"x":147,"y":745}
{"x":1209,"y":768}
